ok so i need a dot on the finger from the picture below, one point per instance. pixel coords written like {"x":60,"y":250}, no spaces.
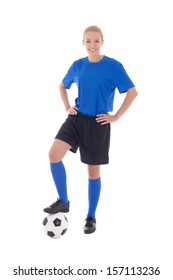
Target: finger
{"x":72,"y":111}
{"x":101,"y":116}
{"x":103,"y":123}
{"x":101,"y":119}
{"x":75,"y":108}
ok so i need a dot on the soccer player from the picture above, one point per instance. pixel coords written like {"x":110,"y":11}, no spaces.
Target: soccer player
{"x":87,"y":126}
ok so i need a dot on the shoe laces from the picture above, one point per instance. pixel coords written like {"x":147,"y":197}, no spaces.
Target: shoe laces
{"x":89,"y":221}
{"x":54,"y":204}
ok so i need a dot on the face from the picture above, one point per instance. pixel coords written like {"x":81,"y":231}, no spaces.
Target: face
{"x":93,"y":42}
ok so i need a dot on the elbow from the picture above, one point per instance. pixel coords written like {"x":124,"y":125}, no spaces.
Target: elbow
{"x":133,"y":92}
{"x":136,"y":93}
{"x":61,"y":86}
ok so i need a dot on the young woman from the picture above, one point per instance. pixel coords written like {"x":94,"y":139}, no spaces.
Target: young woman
{"x":88,"y":124}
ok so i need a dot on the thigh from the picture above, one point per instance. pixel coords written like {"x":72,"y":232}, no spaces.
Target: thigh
{"x":68,"y":133}
{"x":58,"y":150}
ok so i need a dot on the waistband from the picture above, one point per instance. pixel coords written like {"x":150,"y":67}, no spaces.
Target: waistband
{"x":85,"y":116}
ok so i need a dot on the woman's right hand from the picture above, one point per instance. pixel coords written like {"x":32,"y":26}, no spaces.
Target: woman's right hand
{"x":72,"y":110}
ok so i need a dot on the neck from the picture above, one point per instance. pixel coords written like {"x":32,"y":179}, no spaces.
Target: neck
{"x":95,"y":58}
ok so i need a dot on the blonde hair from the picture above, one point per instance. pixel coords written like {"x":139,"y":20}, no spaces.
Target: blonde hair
{"x":93,"y":28}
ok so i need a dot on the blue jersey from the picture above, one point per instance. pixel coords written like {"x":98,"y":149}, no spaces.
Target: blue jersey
{"x":96,"y":82}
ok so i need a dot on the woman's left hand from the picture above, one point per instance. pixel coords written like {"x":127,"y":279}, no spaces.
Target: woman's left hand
{"x":105,"y":119}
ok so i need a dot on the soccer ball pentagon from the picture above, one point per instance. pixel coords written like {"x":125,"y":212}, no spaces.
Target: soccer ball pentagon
{"x":55,"y":225}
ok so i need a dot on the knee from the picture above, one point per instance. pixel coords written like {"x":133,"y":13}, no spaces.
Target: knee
{"x":53,"y":157}
{"x":58,"y":150}
{"x":93,"y":172}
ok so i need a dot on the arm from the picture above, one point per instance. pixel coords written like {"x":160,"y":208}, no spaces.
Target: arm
{"x":106,"y":118}
{"x":64,"y":97}
{"x":130,"y":96}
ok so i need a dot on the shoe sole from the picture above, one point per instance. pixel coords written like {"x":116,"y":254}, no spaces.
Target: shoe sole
{"x":55,"y":212}
{"x":88,"y":231}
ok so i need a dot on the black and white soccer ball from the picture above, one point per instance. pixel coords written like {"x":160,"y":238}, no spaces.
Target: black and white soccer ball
{"x":55,"y":225}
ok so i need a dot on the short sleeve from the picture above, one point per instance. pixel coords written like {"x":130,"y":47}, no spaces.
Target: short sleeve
{"x":68,"y":80}
{"x":123,"y":81}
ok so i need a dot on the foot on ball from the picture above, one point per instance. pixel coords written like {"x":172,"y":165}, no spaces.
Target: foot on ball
{"x":57,"y":206}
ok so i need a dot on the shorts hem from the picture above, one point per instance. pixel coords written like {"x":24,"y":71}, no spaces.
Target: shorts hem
{"x":73,"y":149}
{"x":94,"y":163}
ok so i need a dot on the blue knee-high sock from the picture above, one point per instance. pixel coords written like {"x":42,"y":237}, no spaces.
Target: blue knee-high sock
{"x":94,"y":188}
{"x":59,"y":176}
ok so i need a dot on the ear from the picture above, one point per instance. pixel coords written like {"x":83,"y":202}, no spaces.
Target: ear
{"x":83,"y":42}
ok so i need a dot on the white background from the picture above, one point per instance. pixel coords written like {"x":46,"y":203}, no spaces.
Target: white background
{"x":39,"y":41}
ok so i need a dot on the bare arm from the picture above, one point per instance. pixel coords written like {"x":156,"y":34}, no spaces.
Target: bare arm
{"x":130,"y":96}
{"x":64,"y":96}
{"x":106,"y":118}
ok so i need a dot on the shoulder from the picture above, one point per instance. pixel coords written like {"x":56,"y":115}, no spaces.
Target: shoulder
{"x":115,"y":65}
{"x":113,"y":61}
{"x":79,"y":63}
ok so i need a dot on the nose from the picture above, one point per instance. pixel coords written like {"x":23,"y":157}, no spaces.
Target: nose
{"x":92,"y":45}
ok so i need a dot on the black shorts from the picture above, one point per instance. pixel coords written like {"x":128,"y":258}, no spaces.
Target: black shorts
{"x":92,"y":138}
